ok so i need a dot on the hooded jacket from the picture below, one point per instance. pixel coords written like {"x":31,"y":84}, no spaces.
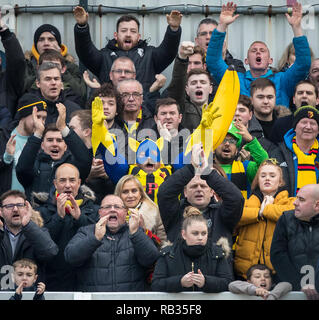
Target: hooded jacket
{"x":148,"y":60}
{"x":285,"y":82}
{"x":288,"y":162}
{"x":60,"y":276}
{"x":175,"y":262}
{"x":255,"y":233}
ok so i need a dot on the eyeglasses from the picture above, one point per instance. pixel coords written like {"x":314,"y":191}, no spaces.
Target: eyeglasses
{"x":110,"y":206}
{"x":205,"y":33}
{"x":127,"y":95}
{"x":10,"y":206}
{"x":230,"y":140}
{"x":126,"y":72}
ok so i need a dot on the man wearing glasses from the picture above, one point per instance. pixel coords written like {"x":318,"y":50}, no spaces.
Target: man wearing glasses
{"x":20,"y":237}
{"x":112,"y":255}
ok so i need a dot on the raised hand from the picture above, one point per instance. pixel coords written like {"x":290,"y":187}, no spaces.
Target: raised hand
{"x":100,"y":228}
{"x":80,"y":15}
{"x":37,"y":123}
{"x":227,"y":16}
{"x":295,"y":19}
{"x":174,"y":19}
{"x":74,"y":209}
{"x":209,"y":115}
{"x":198,"y":159}
{"x":98,"y":116}
{"x":186,"y":49}
{"x":134,"y":221}
{"x":27,"y":214}
{"x":60,"y":204}
{"x":163,"y":131}
{"x":158,"y":83}
{"x":243,"y":131}
{"x":11,"y":145}
{"x":60,"y":122}
{"x":94,"y":84}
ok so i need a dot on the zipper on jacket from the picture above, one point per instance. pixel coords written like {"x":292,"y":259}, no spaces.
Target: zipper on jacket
{"x":193,"y":271}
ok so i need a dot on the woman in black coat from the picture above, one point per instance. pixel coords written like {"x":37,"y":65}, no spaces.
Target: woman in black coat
{"x":190,"y":264}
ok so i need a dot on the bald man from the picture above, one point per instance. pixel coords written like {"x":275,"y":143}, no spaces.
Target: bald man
{"x":67,"y":208}
{"x":295,"y":243}
{"x":112,"y":255}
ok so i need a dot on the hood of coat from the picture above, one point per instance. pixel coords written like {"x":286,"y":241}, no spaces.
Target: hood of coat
{"x":39,"y":198}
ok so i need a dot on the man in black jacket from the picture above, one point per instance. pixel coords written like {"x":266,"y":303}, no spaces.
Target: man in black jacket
{"x":148,"y":60}
{"x":20,"y":237}
{"x":57,"y":144}
{"x":295,"y":243}
{"x":199,"y":190}
{"x":67,"y":208}
{"x":112,"y":255}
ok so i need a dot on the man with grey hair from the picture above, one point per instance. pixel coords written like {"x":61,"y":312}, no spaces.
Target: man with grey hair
{"x":295,"y":245}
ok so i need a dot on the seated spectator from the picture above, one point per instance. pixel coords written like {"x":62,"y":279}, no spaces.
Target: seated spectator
{"x":111,"y":255}
{"x":199,"y":192}
{"x":258,"y":56}
{"x":66,"y":209}
{"x":14,"y":136}
{"x":132,"y":193}
{"x":295,"y":242}
{"x":191,"y":264}
{"x":306,"y":94}
{"x":298,"y":153}
{"x":25,"y":277}
{"x":20,"y":237}
{"x":264,"y":207}
{"x":149,"y":60}
{"x":241,"y":173}
{"x":57,"y":144}
{"x":259,"y":283}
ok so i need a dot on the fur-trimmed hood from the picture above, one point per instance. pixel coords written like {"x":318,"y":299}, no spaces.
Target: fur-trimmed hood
{"x":39,"y":198}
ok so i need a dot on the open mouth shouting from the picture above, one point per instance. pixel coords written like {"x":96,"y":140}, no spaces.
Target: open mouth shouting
{"x":199,"y":94}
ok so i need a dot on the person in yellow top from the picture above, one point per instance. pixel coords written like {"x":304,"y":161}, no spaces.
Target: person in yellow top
{"x":260,"y":214}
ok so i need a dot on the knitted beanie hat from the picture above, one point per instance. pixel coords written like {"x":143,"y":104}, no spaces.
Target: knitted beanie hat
{"x":26,"y":104}
{"x":309,"y":112}
{"x":47,"y":28}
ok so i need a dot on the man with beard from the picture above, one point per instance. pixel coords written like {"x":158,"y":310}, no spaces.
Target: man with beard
{"x":149,"y":61}
{"x":258,"y":56}
{"x":240,"y":173}
{"x":13,"y":142}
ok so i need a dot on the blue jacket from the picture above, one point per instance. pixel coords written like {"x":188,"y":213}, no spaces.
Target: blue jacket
{"x":285,"y":82}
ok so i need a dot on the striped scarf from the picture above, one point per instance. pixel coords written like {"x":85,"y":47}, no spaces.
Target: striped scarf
{"x":135,"y":125}
{"x":238,"y":177}
{"x":306,"y":164}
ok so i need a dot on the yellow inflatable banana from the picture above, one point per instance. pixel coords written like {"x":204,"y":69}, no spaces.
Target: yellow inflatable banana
{"x":213,"y":127}
{"x":100,"y":134}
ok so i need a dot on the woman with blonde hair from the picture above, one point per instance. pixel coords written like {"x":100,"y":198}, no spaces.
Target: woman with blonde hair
{"x":191,"y":264}
{"x":255,"y":229}
{"x":132,"y":193}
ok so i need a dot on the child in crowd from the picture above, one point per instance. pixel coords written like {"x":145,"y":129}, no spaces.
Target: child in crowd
{"x":24,"y":277}
{"x":259,"y":283}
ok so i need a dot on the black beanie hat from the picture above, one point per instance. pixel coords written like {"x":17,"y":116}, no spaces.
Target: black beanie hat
{"x":309,"y":112}
{"x":26,"y":104}
{"x":47,"y":28}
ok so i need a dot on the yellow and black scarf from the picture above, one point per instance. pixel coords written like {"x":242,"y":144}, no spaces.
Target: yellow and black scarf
{"x":135,"y":125}
{"x":238,"y":177}
{"x":306,"y":165}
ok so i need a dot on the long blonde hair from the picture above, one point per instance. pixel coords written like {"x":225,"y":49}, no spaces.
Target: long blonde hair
{"x":130,"y":177}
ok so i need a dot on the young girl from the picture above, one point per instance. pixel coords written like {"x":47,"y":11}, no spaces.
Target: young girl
{"x":190,"y":264}
{"x":261,"y":212}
